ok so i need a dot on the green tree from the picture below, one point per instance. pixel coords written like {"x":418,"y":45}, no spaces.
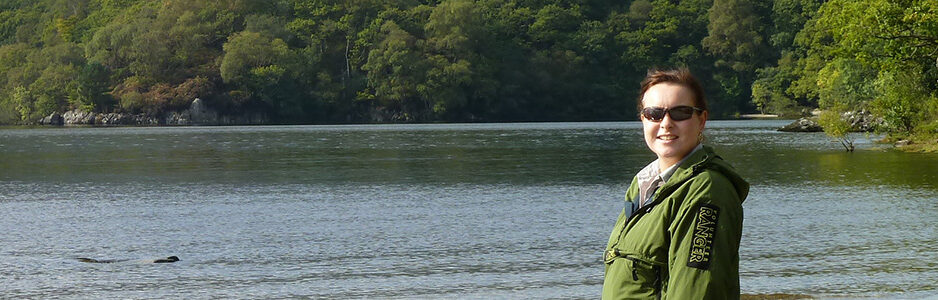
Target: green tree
{"x":736,"y":38}
{"x":736,"y":35}
{"x":259,"y":66}
{"x":22,"y":101}
{"x":90,"y":91}
{"x":785,"y":88}
{"x":452,"y":30}
{"x":768,"y":94}
{"x":836,"y":127}
{"x":396,"y":71}
{"x":902,"y":99}
{"x":789,"y":18}
{"x":890,"y":43}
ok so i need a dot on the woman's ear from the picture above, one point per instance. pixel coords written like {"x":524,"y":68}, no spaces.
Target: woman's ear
{"x":703,"y":119}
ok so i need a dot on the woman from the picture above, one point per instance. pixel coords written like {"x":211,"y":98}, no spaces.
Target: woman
{"x":678,"y":236}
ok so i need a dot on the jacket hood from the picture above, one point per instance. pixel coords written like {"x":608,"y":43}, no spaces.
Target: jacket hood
{"x":706,"y":158}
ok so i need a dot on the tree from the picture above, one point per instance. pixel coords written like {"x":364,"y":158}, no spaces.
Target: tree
{"x":836,"y":127}
{"x":453,"y":29}
{"x":844,"y":82}
{"x":22,"y":101}
{"x":735,"y":35}
{"x":90,"y":90}
{"x":902,"y":99}
{"x":396,"y":71}
{"x":314,"y":61}
{"x":788,"y":18}
{"x":784,"y":88}
{"x":894,"y":41}
{"x":736,"y":38}
{"x":768,"y":94}
{"x":260,"y":67}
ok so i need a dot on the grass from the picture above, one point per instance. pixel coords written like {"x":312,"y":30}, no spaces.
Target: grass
{"x":918,"y":142}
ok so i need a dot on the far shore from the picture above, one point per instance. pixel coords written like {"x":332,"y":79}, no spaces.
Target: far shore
{"x":758,"y":116}
{"x":745,"y":117}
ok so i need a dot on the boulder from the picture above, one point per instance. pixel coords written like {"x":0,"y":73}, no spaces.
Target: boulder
{"x":146,"y":120}
{"x":802,"y":125}
{"x":52,"y":119}
{"x":79,"y":117}
{"x":112,"y":119}
{"x":197,"y":114}
{"x":859,"y":120}
{"x":200,"y":114}
{"x":862,"y":120}
{"x":177,"y":118}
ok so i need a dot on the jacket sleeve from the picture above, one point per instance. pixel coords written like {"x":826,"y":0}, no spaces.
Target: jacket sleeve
{"x":704,"y":250}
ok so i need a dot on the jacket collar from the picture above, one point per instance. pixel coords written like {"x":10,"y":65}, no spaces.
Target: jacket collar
{"x":705,"y":158}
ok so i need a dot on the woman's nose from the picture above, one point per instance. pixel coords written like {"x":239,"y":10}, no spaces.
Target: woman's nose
{"x":666,"y":121}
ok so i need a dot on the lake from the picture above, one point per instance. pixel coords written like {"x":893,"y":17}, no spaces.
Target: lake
{"x":507,"y":211}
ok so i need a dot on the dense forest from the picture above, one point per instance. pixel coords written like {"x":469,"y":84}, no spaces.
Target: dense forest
{"x":360,"y":61}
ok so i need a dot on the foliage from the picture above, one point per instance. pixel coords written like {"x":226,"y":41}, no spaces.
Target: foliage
{"x":902,"y":100}
{"x":844,"y":82}
{"x":874,"y":54}
{"x":736,"y":35}
{"x":791,"y":83}
{"x":329,"y":61}
{"x":836,"y":127}
{"x":309,"y":61}
{"x":896,"y":43}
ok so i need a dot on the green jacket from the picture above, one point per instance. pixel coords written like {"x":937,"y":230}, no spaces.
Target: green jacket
{"x":685,"y":243}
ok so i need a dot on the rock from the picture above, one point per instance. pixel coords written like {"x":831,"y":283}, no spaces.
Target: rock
{"x":862,"y":120}
{"x":859,"y":120}
{"x":177,"y":118}
{"x":145,"y":120}
{"x":200,"y":114}
{"x":79,"y":117}
{"x":197,"y":114}
{"x":802,"y":125}
{"x":903,"y":143}
{"x":113,"y":119}
{"x":52,"y":119}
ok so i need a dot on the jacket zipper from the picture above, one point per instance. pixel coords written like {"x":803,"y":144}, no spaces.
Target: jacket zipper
{"x":695,"y":169}
{"x":638,"y":215}
{"x":634,"y":218}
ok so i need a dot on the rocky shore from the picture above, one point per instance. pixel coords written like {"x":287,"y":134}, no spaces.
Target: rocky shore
{"x":802,"y":125}
{"x":860,"y":121}
{"x":196,"y":114}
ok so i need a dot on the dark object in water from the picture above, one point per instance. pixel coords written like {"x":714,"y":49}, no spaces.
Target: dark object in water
{"x":170,"y":259}
{"x":100,"y":261}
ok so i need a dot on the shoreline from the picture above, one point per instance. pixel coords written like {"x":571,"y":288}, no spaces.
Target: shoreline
{"x":759,"y":116}
{"x":911,"y":145}
{"x":86,"y":125}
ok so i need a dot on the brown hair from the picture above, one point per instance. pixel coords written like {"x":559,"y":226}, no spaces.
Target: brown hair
{"x":680,"y":76}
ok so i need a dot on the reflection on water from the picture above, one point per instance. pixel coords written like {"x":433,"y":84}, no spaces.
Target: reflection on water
{"x":433,"y":211}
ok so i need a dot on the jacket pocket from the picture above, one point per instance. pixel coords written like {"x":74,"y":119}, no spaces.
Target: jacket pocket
{"x":646,"y":273}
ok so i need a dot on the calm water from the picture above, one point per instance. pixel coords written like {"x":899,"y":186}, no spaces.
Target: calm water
{"x":517,"y":211}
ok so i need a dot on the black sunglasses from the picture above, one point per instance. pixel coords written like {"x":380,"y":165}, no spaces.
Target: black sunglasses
{"x":677,"y":113}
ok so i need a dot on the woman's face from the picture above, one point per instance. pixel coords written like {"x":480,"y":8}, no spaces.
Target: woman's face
{"x":669,"y":139}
